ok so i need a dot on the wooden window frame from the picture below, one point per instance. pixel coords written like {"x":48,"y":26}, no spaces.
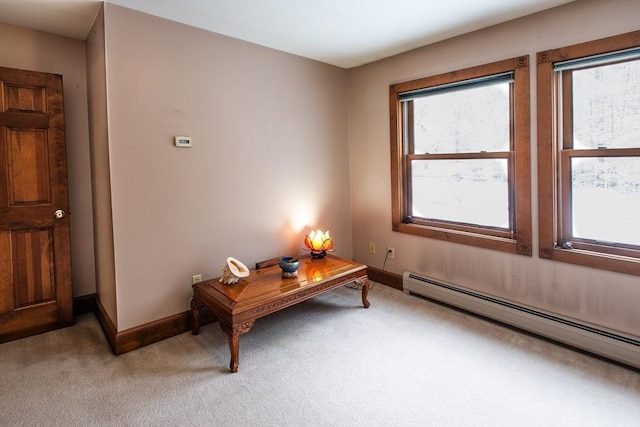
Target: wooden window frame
{"x":517,"y":240}
{"x":555,"y":151}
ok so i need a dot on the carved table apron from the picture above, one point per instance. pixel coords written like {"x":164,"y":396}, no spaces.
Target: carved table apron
{"x":265,"y":291}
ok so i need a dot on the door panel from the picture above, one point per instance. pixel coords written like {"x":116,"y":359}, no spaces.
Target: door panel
{"x":33,"y":259}
{"x":7,"y":301}
{"x":28,"y":163}
{"x":35,"y":265}
{"x":30,"y":99}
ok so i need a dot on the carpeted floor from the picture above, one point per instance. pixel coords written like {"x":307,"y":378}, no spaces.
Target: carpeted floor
{"x":404,"y":361}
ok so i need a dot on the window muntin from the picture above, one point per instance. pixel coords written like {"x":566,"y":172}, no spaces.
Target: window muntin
{"x":460,"y":167}
{"x":589,"y":153}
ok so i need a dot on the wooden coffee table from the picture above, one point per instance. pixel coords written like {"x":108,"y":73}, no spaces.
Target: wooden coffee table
{"x":265,"y":291}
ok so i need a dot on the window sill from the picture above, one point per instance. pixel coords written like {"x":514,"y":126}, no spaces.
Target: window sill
{"x":617,"y":263}
{"x":463,"y":237}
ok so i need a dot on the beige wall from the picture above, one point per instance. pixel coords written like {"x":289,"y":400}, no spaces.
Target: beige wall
{"x":36,"y":51}
{"x":100,"y":168}
{"x":604,"y":298}
{"x":269,"y":157}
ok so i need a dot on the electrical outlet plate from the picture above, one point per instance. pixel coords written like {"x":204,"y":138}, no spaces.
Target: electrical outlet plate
{"x":196,"y":279}
{"x":391,"y":252}
{"x":372,"y":248}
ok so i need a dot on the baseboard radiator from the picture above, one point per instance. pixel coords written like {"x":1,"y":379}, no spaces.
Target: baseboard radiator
{"x":612,"y":345}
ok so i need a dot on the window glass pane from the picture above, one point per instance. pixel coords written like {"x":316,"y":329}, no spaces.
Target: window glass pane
{"x":467,"y":120}
{"x":606,"y":106}
{"x":606,"y":199}
{"x":473,"y":191}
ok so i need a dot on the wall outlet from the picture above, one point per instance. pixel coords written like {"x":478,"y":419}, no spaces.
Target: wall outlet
{"x":372,"y":248}
{"x":196,"y":279}
{"x":391,"y":252}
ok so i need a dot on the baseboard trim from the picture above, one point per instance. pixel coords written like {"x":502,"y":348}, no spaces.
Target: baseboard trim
{"x":149,"y":333}
{"x":107,"y":325}
{"x":384,"y":277}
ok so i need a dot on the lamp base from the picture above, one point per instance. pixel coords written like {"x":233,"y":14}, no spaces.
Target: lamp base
{"x":318,"y":255}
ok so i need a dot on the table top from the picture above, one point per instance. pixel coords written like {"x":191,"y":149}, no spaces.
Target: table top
{"x":267,"y":284}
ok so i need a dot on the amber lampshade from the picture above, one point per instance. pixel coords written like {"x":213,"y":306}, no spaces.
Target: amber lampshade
{"x":318,"y":243}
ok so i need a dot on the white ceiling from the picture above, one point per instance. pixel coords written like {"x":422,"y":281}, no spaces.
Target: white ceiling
{"x":346,"y":33}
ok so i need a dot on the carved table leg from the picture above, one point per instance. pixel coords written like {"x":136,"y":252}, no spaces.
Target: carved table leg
{"x":233,"y":336}
{"x":195,"y":316}
{"x":364,"y":282}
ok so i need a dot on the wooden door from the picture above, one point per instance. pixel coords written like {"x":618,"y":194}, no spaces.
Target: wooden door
{"x":35,"y":261}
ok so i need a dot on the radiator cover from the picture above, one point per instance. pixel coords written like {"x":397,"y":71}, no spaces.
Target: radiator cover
{"x":610,"y":344}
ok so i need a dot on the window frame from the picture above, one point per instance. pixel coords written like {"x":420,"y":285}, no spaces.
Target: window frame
{"x":518,"y":239}
{"x":555,"y":151}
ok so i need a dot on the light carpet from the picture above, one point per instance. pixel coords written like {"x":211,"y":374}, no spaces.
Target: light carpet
{"x":405,"y":361}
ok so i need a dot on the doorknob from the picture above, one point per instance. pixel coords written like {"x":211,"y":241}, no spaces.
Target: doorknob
{"x":59,"y":214}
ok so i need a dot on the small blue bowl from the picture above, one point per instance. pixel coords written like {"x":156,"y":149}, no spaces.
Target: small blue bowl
{"x":289,"y":266}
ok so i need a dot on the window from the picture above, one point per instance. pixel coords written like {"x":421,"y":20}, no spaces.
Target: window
{"x":589,"y":153}
{"x":460,"y":156}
